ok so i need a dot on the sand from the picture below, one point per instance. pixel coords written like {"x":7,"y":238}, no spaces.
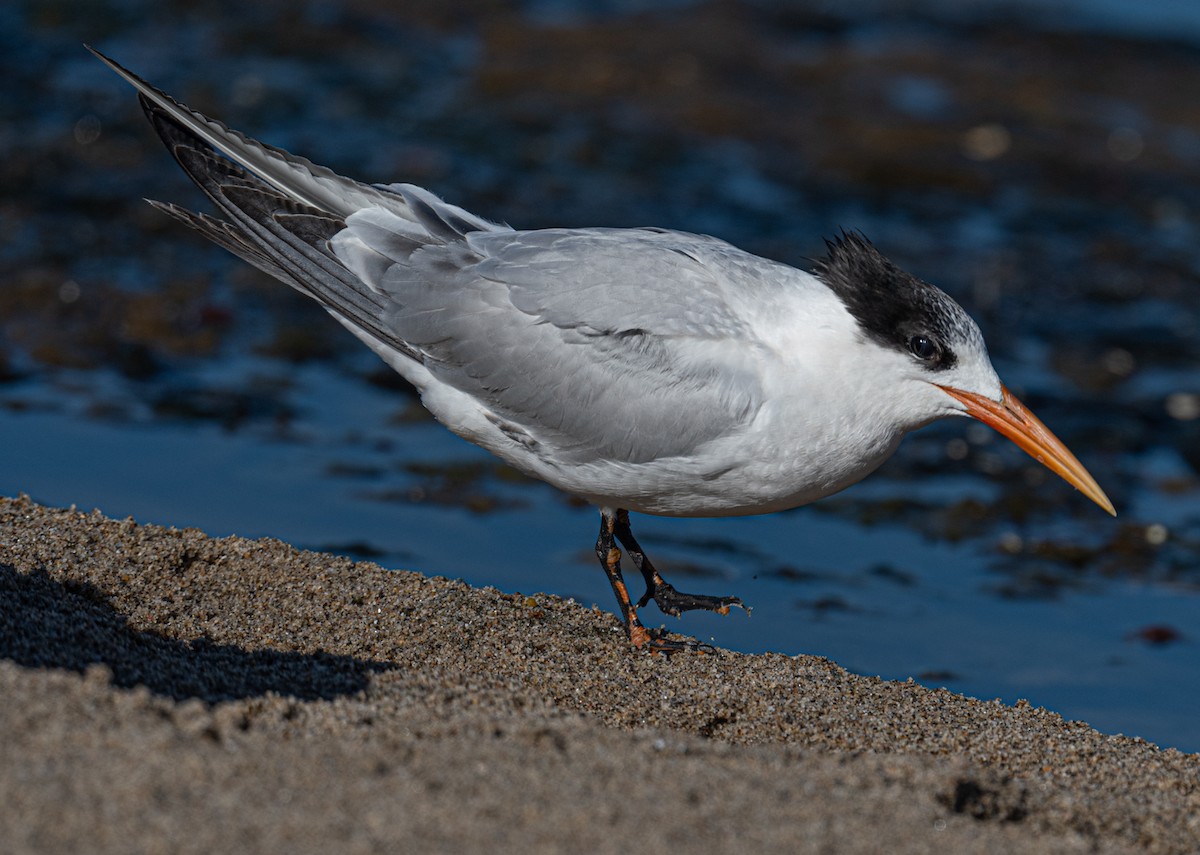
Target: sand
{"x":164,"y":691}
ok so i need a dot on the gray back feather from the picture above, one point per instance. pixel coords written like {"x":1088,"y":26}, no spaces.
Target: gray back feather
{"x":579,"y":340}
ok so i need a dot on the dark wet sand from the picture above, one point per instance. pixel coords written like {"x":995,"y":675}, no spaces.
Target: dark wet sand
{"x":163,"y":691}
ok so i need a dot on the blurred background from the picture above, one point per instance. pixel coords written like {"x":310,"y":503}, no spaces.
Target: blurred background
{"x":1039,"y":160}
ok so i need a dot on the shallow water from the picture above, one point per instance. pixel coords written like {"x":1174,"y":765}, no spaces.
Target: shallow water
{"x":1043,"y":173}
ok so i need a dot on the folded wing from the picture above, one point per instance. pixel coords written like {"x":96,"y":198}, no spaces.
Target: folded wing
{"x":578,"y":344}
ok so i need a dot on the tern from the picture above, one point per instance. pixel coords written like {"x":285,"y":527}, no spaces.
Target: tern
{"x":640,"y":369}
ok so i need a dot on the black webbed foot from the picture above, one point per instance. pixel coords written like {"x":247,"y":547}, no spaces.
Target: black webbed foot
{"x":675,"y":603}
{"x":659,"y":643}
{"x":669,"y":600}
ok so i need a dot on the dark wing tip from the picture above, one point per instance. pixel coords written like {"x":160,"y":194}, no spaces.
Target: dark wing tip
{"x":118,"y":68}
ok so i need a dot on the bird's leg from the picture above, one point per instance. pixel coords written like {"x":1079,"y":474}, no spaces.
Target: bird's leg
{"x":610,"y":560}
{"x":665,"y":596}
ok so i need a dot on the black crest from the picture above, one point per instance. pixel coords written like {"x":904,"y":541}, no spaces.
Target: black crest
{"x":893,"y":308}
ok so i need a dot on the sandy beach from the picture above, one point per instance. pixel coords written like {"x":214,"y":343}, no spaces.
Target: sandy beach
{"x":164,"y":691}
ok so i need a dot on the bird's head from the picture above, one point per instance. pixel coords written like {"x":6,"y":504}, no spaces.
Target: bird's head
{"x":937,"y":355}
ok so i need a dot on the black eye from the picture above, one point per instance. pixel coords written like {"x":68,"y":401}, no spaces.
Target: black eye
{"x":924,"y":348}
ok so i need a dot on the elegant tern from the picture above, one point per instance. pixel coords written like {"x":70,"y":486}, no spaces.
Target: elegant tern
{"x":640,"y":369}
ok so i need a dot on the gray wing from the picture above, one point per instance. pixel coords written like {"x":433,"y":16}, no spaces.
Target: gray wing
{"x":283,"y":211}
{"x":591,"y":344}
{"x":301,"y":180}
{"x":595,"y":344}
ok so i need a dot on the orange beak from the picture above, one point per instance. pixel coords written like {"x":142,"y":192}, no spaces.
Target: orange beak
{"x":1015,"y":421}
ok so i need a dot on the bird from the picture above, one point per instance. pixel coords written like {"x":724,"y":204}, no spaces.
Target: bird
{"x":639,"y":369}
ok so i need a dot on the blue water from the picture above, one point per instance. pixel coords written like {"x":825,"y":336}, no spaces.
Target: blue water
{"x":880,"y":600}
{"x":958,"y":564}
